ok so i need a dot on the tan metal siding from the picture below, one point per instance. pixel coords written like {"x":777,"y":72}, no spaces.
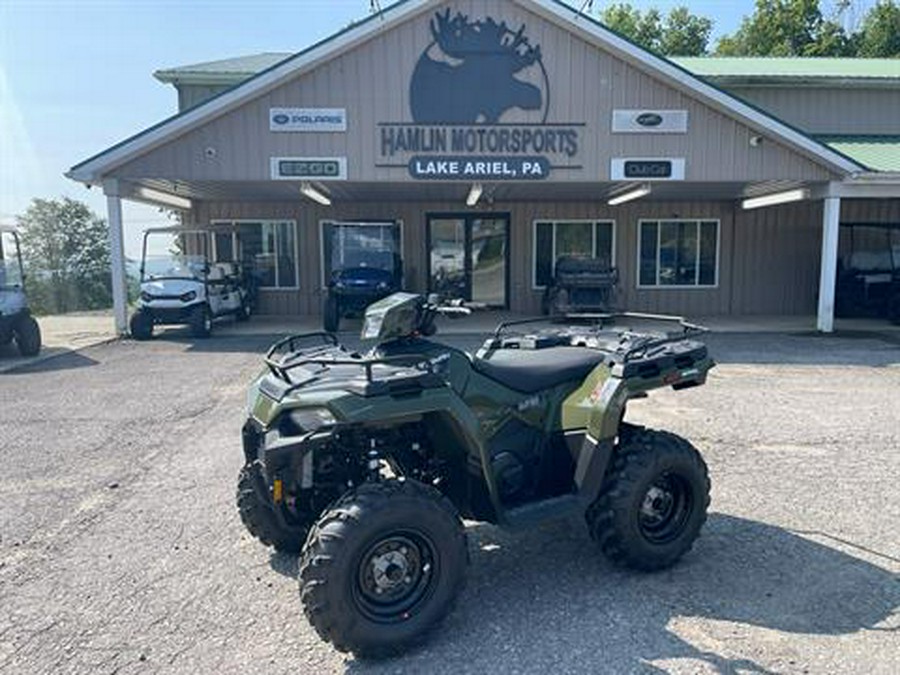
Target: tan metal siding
{"x":831,"y":110}
{"x":776,"y":259}
{"x":190,"y":95}
{"x":372,"y":82}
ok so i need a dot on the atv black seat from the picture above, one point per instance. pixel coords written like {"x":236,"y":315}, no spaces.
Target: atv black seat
{"x":531,"y":370}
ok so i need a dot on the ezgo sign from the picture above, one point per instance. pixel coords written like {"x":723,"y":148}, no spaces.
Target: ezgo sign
{"x":308,"y":119}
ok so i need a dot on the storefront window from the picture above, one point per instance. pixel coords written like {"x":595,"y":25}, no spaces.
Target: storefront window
{"x":348,"y":245}
{"x":678,"y":253}
{"x":267,"y":249}
{"x":558,"y":239}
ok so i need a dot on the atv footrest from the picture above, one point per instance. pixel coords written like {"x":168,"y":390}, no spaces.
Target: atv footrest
{"x":528,"y":515}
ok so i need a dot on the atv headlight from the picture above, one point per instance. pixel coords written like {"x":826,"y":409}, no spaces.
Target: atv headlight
{"x":187,"y":297}
{"x":304,"y":420}
{"x":146,"y":297}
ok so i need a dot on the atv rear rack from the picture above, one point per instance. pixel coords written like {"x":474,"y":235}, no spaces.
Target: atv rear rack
{"x":295,"y":358}
{"x":638,"y":350}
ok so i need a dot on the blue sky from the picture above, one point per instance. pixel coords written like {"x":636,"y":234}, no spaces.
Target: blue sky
{"x":76,"y":75}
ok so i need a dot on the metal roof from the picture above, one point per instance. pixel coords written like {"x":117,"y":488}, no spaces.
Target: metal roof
{"x":775,"y":69}
{"x":231,"y":70}
{"x":878,"y":153}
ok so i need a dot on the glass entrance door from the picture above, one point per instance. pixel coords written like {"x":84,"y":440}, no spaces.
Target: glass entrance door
{"x":468,"y":257}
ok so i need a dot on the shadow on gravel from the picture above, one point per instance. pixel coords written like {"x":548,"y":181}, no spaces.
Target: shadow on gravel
{"x":64,"y":360}
{"x":546,"y":601}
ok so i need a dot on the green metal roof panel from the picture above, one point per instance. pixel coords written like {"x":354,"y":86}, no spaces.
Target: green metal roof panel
{"x":790,"y":67}
{"x":242,"y":66}
{"x":878,"y":153}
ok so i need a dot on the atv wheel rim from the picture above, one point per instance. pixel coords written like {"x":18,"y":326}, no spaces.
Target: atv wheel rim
{"x":396,"y":576}
{"x":665,"y":509}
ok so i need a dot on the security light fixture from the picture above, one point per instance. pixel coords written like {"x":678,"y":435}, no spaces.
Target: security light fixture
{"x":307,"y":190}
{"x":164,"y":198}
{"x":474,"y":194}
{"x":629,"y":195}
{"x":775,"y":198}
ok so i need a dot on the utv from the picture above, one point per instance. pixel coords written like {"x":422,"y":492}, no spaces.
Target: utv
{"x":179,"y":284}
{"x":868,"y":279}
{"x":367,"y":463}
{"x":580,"y":285}
{"x":16,"y":321}
{"x":352,"y":290}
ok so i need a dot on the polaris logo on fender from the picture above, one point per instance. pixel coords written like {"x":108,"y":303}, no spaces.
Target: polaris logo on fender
{"x":309,"y":120}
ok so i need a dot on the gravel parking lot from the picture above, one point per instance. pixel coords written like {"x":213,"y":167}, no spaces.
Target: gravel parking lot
{"x":121,"y":550}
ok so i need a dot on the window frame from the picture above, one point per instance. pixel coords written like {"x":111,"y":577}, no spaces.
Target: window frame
{"x":263,"y":221}
{"x":678,"y":287}
{"x":555,"y":222}
{"x":360,"y":222}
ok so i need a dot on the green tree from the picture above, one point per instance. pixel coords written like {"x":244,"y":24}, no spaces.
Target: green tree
{"x":685,"y":34}
{"x":680,"y":33}
{"x":879,"y":35}
{"x":787,"y":28}
{"x":66,"y":251}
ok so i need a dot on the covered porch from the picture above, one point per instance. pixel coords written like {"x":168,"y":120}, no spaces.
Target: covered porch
{"x":779,"y":257}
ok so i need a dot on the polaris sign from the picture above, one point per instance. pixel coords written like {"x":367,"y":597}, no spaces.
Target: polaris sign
{"x":650,"y":121}
{"x":308,"y":119}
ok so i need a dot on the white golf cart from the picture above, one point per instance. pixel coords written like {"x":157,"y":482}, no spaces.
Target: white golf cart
{"x":181,"y":285}
{"x":16,"y":321}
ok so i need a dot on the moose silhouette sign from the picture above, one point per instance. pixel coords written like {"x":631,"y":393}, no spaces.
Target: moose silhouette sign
{"x":468,"y":73}
{"x":479,"y":97}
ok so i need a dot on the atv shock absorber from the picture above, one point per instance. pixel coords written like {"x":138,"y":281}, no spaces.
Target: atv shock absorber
{"x":374,"y":463}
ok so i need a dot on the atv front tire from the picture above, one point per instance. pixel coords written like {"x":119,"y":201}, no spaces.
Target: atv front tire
{"x":201,"y":321}
{"x":141,"y":326}
{"x":260,"y":519}
{"x":382,"y":566}
{"x":653,"y":502}
{"x":28,"y":336}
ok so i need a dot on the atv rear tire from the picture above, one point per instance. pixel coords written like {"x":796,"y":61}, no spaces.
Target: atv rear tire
{"x":331,"y":316}
{"x":382,"y":566}
{"x":259,"y":518}
{"x":653,"y":502}
{"x":201,"y":321}
{"x":28,"y":336}
{"x":141,"y":326}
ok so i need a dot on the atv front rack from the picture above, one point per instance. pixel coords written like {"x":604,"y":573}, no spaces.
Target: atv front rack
{"x":294,"y":357}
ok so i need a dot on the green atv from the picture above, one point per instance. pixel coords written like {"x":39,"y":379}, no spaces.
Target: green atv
{"x":368,"y":463}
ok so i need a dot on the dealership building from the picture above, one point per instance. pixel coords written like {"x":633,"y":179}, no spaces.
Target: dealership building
{"x":475,"y":142}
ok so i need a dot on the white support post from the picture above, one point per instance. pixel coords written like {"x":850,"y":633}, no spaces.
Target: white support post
{"x":831,"y":223}
{"x":117,"y":255}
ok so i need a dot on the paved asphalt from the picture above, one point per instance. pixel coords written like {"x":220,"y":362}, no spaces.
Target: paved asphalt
{"x":121,"y":550}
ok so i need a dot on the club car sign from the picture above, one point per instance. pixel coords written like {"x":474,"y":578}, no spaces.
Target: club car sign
{"x":469,"y":78}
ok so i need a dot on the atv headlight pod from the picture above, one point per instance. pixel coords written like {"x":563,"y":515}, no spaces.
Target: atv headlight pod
{"x":187,"y":297}
{"x":146,"y":297}
{"x":310,"y":419}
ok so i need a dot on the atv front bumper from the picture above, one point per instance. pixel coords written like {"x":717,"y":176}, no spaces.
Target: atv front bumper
{"x":277,"y":454}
